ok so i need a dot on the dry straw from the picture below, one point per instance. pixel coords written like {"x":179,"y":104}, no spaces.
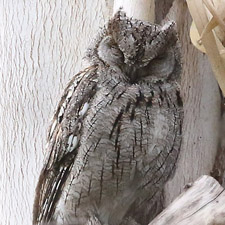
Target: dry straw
{"x":208,"y":33}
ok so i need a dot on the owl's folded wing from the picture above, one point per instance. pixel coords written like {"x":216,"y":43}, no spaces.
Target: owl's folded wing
{"x":63,"y":143}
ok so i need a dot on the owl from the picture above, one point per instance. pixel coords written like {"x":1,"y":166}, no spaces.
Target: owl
{"x":116,"y":134}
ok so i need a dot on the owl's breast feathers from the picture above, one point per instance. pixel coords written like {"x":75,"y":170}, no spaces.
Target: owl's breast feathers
{"x":135,"y":124}
{"x":109,"y":142}
{"x":131,"y":143}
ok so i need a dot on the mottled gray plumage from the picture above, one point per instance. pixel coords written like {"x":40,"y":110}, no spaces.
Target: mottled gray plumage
{"x":116,"y":134}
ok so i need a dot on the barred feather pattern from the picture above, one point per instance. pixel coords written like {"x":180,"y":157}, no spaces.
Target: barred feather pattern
{"x":116,"y":134}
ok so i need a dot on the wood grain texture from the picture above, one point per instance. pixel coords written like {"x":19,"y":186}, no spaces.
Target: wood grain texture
{"x":201,"y":204}
{"x":202,"y":110}
{"x":42,"y":45}
{"x":138,"y":9}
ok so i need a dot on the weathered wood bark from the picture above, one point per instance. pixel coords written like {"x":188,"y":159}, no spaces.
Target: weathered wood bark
{"x":138,"y":9}
{"x":201,"y":204}
{"x":42,"y":44}
{"x":202,"y":105}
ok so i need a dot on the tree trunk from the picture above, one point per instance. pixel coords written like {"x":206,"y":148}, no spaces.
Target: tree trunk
{"x":138,"y":9}
{"x":202,"y":110}
{"x":43,"y":44}
{"x":201,"y":203}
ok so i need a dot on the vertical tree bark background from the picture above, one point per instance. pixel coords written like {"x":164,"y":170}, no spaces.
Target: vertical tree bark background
{"x":202,"y":107}
{"x":42,"y":46}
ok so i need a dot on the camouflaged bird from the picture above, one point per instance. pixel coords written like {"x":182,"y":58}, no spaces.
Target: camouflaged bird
{"x":116,"y":134}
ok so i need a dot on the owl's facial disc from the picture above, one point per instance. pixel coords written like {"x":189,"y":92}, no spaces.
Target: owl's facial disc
{"x":140,"y":41}
{"x":147,"y":49}
{"x":138,"y":49}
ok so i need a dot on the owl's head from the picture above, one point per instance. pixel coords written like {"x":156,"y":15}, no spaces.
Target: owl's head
{"x":140,"y":50}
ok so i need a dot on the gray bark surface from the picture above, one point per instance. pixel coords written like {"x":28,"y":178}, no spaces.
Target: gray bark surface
{"x":202,"y":203}
{"x":42,"y":46}
{"x":202,"y":110}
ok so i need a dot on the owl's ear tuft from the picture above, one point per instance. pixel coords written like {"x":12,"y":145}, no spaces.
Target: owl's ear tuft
{"x":120,"y":14}
{"x":164,"y":38}
{"x":113,"y":26}
{"x":169,"y":30}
